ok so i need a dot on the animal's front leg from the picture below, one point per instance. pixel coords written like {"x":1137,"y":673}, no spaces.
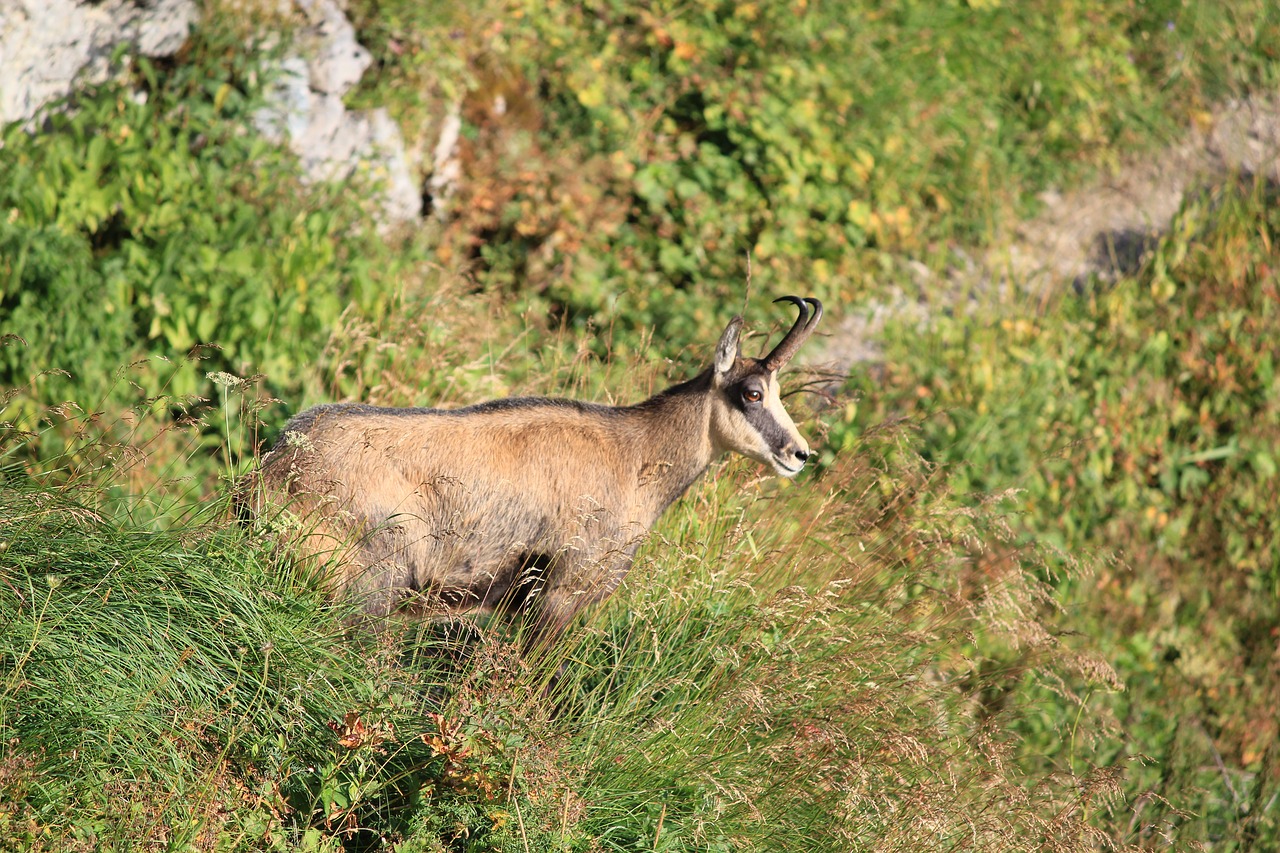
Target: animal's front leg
{"x":571,"y":586}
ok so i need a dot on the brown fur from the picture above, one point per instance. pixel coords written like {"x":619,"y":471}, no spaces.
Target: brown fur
{"x":526,"y":504}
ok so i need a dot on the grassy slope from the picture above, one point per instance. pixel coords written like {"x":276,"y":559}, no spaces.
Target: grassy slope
{"x":864,"y":660}
{"x":799,"y":681}
{"x":1140,"y":423}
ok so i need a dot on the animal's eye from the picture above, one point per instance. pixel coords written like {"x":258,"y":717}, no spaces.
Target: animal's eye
{"x":752,"y":395}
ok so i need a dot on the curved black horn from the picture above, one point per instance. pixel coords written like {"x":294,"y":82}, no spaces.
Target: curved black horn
{"x":799,"y":333}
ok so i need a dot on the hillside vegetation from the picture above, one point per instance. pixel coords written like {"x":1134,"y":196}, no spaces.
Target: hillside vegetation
{"x":1026,"y":601}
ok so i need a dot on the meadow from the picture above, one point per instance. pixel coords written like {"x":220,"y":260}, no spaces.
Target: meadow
{"x":1026,"y":600}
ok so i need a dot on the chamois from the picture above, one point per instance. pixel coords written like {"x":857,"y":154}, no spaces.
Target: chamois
{"x":523,"y":505}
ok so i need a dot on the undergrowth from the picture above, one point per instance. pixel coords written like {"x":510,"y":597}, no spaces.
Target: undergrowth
{"x":622,"y":157}
{"x":790,"y":667}
{"x":1140,"y":420}
{"x":896,"y":653}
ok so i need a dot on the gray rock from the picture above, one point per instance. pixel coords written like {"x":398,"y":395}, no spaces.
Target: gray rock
{"x":402,"y":194}
{"x":336,"y":60}
{"x":1246,"y":137}
{"x":49,"y":47}
{"x":306,"y":113}
{"x":446,"y":172}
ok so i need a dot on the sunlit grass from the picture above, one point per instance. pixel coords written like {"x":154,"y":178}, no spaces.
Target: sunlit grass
{"x":791,"y":666}
{"x":1138,"y":421}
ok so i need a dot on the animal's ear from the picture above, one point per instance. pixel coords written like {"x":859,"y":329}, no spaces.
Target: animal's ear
{"x":729,"y":348}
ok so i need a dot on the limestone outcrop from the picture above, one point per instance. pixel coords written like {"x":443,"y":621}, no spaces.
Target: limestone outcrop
{"x":49,"y":48}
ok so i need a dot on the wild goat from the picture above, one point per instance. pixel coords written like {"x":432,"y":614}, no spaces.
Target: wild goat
{"x":524,"y":505}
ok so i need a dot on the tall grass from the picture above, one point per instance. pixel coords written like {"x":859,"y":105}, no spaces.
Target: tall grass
{"x":807,"y":677}
{"x":139,"y":669}
{"x":1139,"y":420}
{"x":805,"y":666}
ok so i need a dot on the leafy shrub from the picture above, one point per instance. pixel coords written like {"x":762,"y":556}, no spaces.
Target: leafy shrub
{"x":620,"y":159}
{"x":1142,"y":420}
{"x":152,"y":221}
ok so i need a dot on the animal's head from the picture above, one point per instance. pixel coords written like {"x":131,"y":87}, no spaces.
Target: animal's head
{"x":747,"y":414}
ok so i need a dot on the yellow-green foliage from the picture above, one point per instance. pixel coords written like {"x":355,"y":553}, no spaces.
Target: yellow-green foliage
{"x":622,"y":157}
{"x":860,"y":660}
{"x":150,"y":221}
{"x":1142,"y":420}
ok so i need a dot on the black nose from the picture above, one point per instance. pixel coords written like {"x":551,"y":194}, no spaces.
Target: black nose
{"x":803,"y":455}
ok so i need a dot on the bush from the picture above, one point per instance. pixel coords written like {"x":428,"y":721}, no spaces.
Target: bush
{"x":147,"y":219}
{"x":622,"y":158}
{"x":1141,"y":420}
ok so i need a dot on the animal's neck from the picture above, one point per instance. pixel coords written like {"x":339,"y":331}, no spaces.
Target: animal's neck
{"x":677,"y":444}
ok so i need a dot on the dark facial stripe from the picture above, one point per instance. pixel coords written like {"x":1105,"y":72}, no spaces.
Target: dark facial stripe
{"x":764,"y":422}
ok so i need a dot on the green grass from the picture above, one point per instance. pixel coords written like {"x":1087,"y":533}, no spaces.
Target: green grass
{"x":186,"y":690}
{"x":1139,"y":423}
{"x":1028,"y":602}
{"x":794,"y":681}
